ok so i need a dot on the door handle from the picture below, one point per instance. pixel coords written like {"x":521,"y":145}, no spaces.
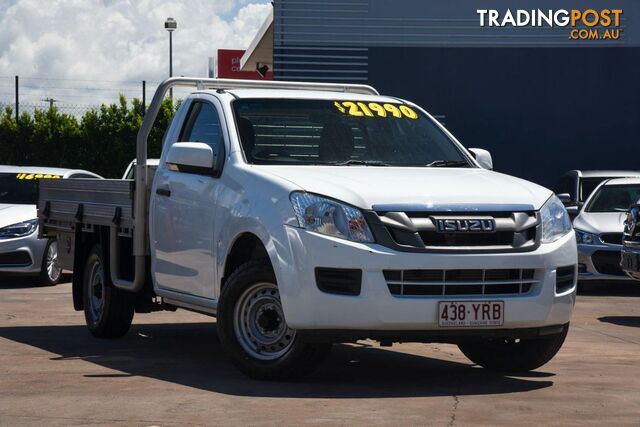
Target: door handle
{"x":163,"y":192}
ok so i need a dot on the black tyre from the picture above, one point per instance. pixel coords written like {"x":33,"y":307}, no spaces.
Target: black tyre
{"x":50,"y":270}
{"x":108,"y":310}
{"x":253,"y":331}
{"x":514,"y":355}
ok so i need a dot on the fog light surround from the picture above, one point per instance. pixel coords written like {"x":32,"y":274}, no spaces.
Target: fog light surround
{"x":565,"y":278}
{"x":341,"y":281}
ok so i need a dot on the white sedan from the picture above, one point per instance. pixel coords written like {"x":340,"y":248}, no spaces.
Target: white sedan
{"x":21,"y":252}
{"x":599,"y":228}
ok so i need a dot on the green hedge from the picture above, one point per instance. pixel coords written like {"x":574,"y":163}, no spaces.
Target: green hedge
{"x":102,"y":141}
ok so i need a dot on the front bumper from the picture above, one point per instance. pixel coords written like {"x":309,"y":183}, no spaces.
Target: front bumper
{"x":430,"y":336}
{"x":22,"y":255}
{"x":588,"y":267}
{"x":376,"y":309}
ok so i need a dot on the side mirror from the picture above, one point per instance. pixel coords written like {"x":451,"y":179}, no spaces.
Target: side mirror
{"x":483,"y":157}
{"x":194,"y":157}
{"x":573,"y":211}
{"x":565,"y":198}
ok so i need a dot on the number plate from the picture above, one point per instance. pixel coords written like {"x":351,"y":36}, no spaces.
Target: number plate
{"x":470,"y":313}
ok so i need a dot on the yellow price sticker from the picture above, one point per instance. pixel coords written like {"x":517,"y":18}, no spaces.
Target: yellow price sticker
{"x":29,"y":176}
{"x":374,"y":109}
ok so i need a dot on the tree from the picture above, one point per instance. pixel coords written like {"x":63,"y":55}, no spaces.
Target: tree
{"x":103,"y":141}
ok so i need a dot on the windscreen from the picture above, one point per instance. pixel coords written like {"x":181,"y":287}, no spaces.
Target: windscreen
{"x":587,"y":185}
{"x":614,"y":198}
{"x":21,"y":188}
{"x":328,"y":132}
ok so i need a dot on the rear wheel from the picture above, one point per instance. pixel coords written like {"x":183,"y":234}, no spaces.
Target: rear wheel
{"x":50,"y":271}
{"x":253,"y":330}
{"x":108,"y":310}
{"x":509,"y":355}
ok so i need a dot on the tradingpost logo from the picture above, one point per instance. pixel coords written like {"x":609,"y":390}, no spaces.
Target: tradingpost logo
{"x":587,"y":24}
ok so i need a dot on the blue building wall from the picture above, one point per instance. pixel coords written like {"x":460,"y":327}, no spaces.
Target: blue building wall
{"x":541,"y":103}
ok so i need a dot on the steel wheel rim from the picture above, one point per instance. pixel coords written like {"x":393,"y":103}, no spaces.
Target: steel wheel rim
{"x":259,"y":323}
{"x":96,"y":291}
{"x":53,"y":268}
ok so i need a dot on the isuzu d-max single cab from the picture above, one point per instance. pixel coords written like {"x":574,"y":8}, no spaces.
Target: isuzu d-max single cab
{"x":304,"y":214}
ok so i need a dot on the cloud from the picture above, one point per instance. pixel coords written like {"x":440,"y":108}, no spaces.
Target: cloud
{"x":114,"y":41}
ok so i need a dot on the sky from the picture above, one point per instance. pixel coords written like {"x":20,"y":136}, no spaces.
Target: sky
{"x":88,"y":51}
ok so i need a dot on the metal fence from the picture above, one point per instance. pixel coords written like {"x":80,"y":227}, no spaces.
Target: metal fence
{"x":75,"y":110}
{"x":69,"y":96}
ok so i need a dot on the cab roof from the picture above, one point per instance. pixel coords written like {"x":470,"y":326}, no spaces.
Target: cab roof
{"x":608,"y":173}
{"x":304,"y":94}
{"x":623,"y":181}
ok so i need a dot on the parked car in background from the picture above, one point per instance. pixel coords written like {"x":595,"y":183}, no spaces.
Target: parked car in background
{"x":130,"y":171}
{"x":630,"y":260}
{"x":575,"y":186}
{"x":599,"y":228}
{"x":21,"y":252}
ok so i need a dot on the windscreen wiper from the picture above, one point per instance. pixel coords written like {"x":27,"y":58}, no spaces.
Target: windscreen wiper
{"x":359,"y":162}
{"x":448,"y":163}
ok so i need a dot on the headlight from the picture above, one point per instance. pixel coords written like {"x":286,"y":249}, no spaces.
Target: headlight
{"x":330,"y":217}
{"x":586,"y":238}
{"x":20,"y":229}
{"x":555,"y":220}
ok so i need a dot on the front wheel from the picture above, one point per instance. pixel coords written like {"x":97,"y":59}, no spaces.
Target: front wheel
{"x":253,"y":330}
{"x":50,"y":271}
{"x":108,"y":310}
{"x":509,"y":355}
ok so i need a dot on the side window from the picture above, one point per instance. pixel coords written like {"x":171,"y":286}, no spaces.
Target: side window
{"x":202,"y":125}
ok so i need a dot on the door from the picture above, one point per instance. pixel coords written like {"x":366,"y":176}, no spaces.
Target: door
{"x":183,"y":213}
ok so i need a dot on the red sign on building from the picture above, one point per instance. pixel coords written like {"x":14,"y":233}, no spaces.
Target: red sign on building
{"x":229,"y":66}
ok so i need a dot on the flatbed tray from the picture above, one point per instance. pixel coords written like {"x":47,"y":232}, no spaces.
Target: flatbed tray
{"x":65,"y":203}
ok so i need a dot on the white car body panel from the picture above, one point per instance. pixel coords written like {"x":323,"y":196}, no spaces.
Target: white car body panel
{"x":429,"y":188}
{"x":13,"y":214}
{"x":307,"y":307}
{"x":192,"y":236}
{"x":600,"y":222}
{"x":184,"y":257}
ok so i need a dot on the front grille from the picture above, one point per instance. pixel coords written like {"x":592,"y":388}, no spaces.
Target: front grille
{"x":460,"y":282}
{"x":607,"y":262}
{"x":612,"y":238}
{"x":18,"y":259}
{"x":499,"y":238}
{"x":411,"y":231}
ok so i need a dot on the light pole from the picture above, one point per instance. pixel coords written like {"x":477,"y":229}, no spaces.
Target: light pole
{"x":170,"y":25}
{"x":50,"y":101}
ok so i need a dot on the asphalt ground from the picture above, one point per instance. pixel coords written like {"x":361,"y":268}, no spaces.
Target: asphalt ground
{"x":170,"y":370}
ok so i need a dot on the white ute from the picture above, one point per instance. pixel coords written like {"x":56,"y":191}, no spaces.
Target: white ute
{"x":304,"y":214}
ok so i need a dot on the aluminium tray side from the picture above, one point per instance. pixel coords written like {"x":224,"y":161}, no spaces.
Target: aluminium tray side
{"x":62,"y":204}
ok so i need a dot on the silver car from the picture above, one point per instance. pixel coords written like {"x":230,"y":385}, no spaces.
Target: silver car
{"x":577,"y":185}
{"x":599,"y":228}
{"x":21,"y":252}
